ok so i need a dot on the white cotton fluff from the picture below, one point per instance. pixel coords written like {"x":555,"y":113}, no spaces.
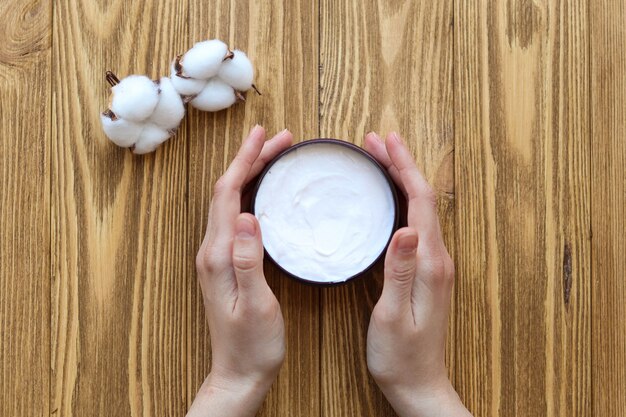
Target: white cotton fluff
{"x":134,"y":98}
{"x":170,"y":109}
{"x":203,"y":73}
{"x":238,"y":71}
{"x":145,"y":113}
{"x":129,"y":124}
{"x":204,"y":59}
{"x":150,"y":138}
{"x":122,"y":132}
{"x":216,"y":95}
{"x":186,"y":86}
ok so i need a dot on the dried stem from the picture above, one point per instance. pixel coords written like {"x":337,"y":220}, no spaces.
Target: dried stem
{"x":187,"y":99}
{"x":109,"y":113}
{"x":178,"y":67}
{"x":240,"y":96}
{"x":256,"y":89}
{"x":112,"y":78}
{"x":229,"y":55}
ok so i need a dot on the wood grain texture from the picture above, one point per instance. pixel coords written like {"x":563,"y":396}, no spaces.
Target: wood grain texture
{"x":523,"y":207}
{"x":25,"y":37}
{"x":281,"y":38}
{"x":119,"y":221}
{"x":384,"y":66}
{"x":515,"y":110}
{"x":608,"y":173}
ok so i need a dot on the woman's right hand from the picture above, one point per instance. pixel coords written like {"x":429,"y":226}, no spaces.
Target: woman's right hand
{"x":407,"y":331}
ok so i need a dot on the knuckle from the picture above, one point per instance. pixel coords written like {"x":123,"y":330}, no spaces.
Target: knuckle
{"x":441,"y":267}
{"x":220,"y":187}
{"x":437,"y":267}
{"x":450,"y":269}
{"x":206,"y":260}
{"x":428,"y":193}
{"x":268,"y":310}
{"x":244,"y":262}
{"x":384,"y":316}
{"x":203,"y":262}
{"x":403,"y":271}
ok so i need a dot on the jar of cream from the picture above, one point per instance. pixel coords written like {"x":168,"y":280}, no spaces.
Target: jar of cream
{"x":327,"y":211}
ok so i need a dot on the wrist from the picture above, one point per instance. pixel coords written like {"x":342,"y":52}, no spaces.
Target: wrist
{"x":432,"y":401}
{"x":230,"y":396}
{"x":242,"y":385}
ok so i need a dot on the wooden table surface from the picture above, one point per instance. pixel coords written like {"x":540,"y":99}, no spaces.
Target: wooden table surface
{"x":515,"y":110}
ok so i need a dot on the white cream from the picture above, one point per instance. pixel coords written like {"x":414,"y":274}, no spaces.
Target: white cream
{"x":326,"y":212}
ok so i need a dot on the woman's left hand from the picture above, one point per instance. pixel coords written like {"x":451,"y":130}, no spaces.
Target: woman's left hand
{"x":245,"y":321}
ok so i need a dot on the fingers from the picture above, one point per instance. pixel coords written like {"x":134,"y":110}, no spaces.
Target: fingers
{"x":400,"y":269}
{"x":226,"y":202}
{"x":422,"y":210}
{"x":271,"y":149}
{"x":235,"y":176}
{"x":376,"y":147}
{"x":248,"y":258}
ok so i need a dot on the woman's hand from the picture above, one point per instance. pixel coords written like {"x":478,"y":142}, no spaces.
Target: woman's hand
{"x":245,"y":321}
{"x":407,"y":331}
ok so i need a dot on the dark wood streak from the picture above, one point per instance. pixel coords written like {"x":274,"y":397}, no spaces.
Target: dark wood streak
{"x":567,"y":273}
{"x":523,"y":21}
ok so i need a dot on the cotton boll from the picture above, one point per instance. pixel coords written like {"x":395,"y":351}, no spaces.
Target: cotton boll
{"x":134,"y":98}
{"x":121,"y":132}
{"x":150,"y":138}
{"x":216,"y":95}
{"x":237,"y":71}
{"x":170,"y":110}
{"x":186,"y":86}
{"x":204,"y":59}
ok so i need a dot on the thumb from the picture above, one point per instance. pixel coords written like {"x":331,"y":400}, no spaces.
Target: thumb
{"x":400,"y":268}
{"x":248,"y":256}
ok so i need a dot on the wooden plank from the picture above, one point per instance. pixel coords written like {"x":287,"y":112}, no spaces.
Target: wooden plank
{"x":608,"y":173}
{"x":384,"y":66}
{"x":523,"y":207}
{"x":25,"y":207}
{"x":119,"y":221}
{"x":280,"y":36}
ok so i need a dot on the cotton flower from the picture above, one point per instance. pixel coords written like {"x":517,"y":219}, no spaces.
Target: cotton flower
{"x":216,"y":95}
{"x":237,"y":71}
{"x":204,"y":59}
{"x":143,"y":113}
{"x":212,"y":76}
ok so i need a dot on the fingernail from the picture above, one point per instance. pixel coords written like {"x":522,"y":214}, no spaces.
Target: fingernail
{"x":396,"y":137}
{"x":255,"y":128}
{"x":244,"y":228}
{"x":372,"y":133}
{"x":407,"y":243}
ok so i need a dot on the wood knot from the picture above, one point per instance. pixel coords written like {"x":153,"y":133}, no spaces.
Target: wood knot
{"x":24,"y":33}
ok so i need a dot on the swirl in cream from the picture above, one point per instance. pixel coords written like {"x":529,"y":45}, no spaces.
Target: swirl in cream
{"x":326,"y":212}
